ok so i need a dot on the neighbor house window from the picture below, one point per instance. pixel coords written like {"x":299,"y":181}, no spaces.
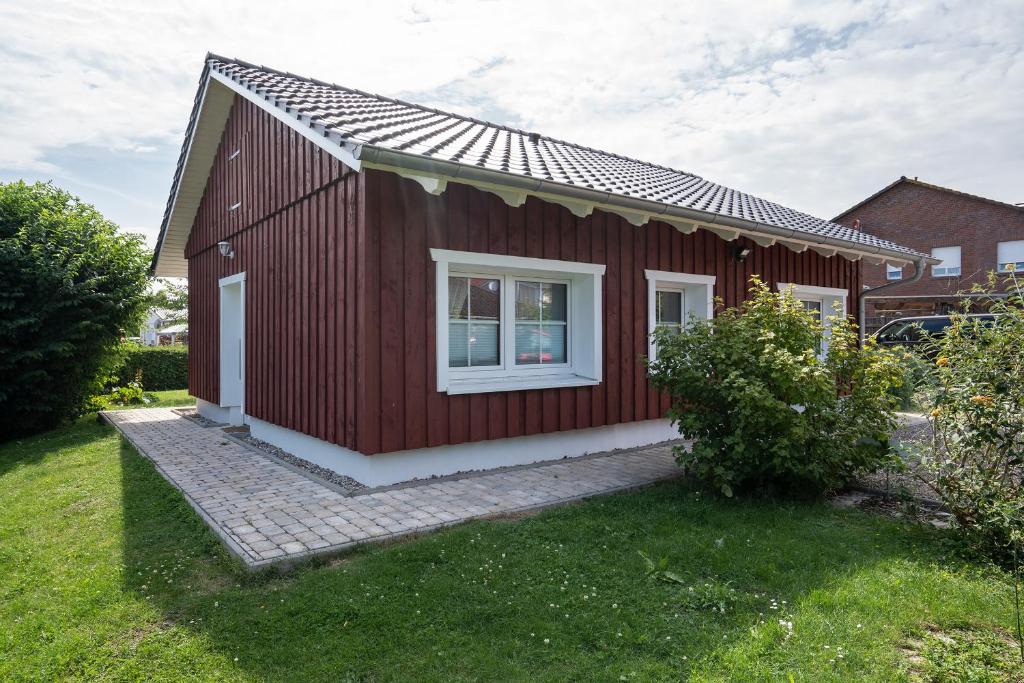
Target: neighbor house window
{"x":507,"y":323}
{"x":675,"y":298}
{"x":950,"y":266}
{"x":1010,"y":256}
{"x":893,"y":272}
{"x":821,"y":302}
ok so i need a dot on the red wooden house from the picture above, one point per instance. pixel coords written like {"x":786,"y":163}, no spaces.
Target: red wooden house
{"x":394,"y":292}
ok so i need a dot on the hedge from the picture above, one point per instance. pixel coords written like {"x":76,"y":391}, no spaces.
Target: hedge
{"x":163,"y":367}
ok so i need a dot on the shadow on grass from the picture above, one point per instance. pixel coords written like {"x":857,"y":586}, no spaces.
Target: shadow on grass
{"x":31,"y":450}
{"x":561,"y":595}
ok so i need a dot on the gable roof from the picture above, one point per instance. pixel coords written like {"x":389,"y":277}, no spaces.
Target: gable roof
{"x":930,"y":186}
{"x":435,"y":147}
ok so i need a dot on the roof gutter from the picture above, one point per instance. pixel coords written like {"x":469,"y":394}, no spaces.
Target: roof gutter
{"x":455,"y":170}
{"x":862,"y":298}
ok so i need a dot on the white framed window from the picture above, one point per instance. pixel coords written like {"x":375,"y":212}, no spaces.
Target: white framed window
{"x":950,"y":266}
{"x":507,"y":323}
{"x":821,"y":302}
{"x":893,"y":272}
{"x":1010,"y":256}
{"x":674,"y":298}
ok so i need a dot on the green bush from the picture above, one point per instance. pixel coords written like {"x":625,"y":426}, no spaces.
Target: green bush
{"x":916,"y":392}
{"x":763,"y":412}
{"x":976,"y":463}
{"x":70,"y":284}
{"x":162,"y":367}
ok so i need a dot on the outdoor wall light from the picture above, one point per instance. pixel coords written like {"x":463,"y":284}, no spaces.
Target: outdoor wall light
{"x":225,"y":249}
{"x":742,"y":253}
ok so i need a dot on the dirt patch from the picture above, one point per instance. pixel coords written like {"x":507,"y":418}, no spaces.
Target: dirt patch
{"x":904,"y":509}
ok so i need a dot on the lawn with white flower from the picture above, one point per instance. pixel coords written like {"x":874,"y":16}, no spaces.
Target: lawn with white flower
{"x":106,"y":573}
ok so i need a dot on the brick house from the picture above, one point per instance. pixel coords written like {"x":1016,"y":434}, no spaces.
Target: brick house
{"x":971,"y":235}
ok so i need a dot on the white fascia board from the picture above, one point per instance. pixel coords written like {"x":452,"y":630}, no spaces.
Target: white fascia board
{"x":345,"y":152}
{"x":200,"y":150}
{"x":472,"y":259}
{"x":177,"y":185}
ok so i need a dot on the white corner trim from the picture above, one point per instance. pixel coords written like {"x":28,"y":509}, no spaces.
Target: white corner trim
{"x":345,"y":153}
{"x":395,"y":467}
{"x":231,"y":279}
{"x":813,"y":290}
{"x":521,"y":263}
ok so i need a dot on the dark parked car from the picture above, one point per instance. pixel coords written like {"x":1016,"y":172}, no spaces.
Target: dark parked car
{"x":911,"y":332}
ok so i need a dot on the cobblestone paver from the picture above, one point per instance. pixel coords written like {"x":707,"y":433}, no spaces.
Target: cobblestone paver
{"x":267,"y":513}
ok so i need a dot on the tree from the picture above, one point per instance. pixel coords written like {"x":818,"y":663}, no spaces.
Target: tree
{"x":172,"y":298}
{"x":763,"y":411}
{"x":70,"y":284}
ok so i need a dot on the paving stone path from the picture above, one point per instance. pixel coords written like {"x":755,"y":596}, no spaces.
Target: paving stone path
{"x":267,"y":513}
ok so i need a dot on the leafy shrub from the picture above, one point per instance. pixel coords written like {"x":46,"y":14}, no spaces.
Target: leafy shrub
{"x":162,"y":367}
{"x":70,"y":283}
{"x":763,"y":411}
{"x":131,"y":394}
{"x":916,"y":392}
{"x":976,"y":462}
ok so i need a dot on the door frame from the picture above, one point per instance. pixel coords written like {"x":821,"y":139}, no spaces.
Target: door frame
{"x":230,"y":281}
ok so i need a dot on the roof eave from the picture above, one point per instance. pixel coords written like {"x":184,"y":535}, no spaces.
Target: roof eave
{"x":386,"y":159}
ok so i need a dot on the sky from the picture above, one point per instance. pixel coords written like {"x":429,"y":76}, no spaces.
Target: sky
{"x":813,"y":105}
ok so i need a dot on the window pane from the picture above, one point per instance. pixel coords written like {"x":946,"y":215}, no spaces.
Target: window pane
{"x":538,"y":344}
{"x":948,"y":255}
{"x":669,"y":307}
{"x":552,"y":300}
{"x":553,"y":342}
{"x":484,"y":299}
{"x":528,"y":300}
{"x":814,"y":307}
{"x":458,"y":345}
{"x":458,"y":298}
{"x":484,"y":344}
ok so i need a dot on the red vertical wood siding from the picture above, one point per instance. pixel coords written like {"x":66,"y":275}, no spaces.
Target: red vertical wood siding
{"x":294,"y":236}
{"x":340,"y":290}
{"x":401,"y":408}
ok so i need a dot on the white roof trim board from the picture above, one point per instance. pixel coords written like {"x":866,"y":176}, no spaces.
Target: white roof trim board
{"x":434,"y":148}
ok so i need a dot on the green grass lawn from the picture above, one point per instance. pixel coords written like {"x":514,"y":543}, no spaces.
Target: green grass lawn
{"x":106,"y":573}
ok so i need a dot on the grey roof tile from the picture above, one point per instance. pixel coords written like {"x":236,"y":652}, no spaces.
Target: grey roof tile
{"x":401,"y":126}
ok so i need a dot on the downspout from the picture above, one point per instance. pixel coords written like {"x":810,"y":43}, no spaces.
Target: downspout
{"x":862,"y":303}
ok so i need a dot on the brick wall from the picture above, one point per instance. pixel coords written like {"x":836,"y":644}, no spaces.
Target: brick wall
{"x":923,"y":217}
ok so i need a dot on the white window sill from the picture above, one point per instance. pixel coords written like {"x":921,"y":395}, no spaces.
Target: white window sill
{"x":491,"y":384}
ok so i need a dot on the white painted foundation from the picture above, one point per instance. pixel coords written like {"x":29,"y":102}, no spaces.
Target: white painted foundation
{"x":212,"y":411}
{"x":398,"y":466}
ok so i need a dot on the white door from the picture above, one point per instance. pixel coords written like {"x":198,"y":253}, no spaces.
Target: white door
{"x":232,"y":345}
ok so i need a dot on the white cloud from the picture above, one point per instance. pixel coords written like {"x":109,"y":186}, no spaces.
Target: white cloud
{"x":812,"y":104}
